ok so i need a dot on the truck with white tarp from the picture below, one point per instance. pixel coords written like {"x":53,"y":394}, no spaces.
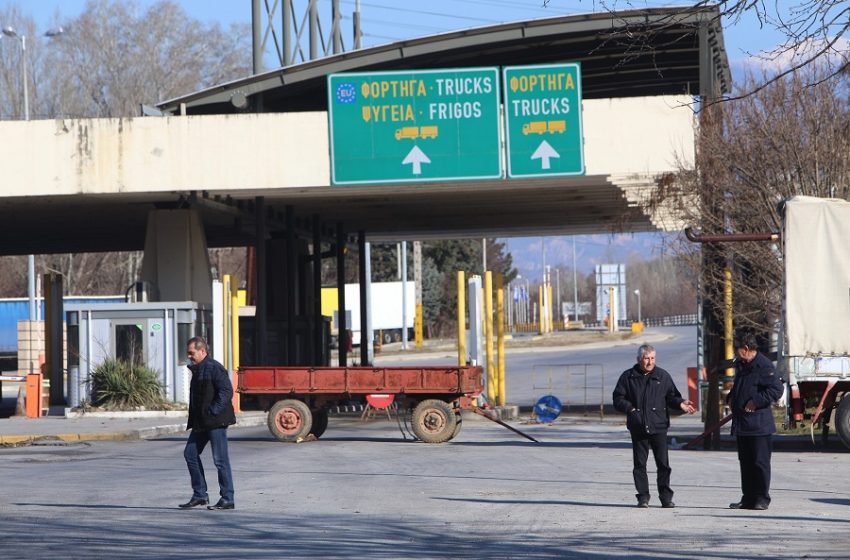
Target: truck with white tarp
{"x":814,"y":351}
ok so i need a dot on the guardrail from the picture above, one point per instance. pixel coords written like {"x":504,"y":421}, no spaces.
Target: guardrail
{"x":671,"y":320}
{"x":575,"y":385}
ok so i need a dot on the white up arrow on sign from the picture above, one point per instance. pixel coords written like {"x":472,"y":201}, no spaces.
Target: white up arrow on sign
{"x":544,"y":152}
{"x":417,"y":157}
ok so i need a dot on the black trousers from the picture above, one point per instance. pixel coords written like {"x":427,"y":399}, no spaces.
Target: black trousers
{"x":641,"y":444}
{"x":754,"y":456}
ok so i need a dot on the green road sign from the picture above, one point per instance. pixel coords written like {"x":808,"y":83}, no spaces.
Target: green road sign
{"x":543,"y":120}
{"x":418,"y":125}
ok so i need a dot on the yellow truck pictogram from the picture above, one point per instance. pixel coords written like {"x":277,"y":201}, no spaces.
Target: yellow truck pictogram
{"x":414,"y":132}
{"x":542,"y":127}
{"x":534,"y":127}
{"x":411,"y":132}
{"x":557,"y":126}
{"x":428,"y":131}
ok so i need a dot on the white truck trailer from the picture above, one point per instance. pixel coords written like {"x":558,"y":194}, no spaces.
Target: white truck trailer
{"x":386,"y":310}
{"x":814,"y":349}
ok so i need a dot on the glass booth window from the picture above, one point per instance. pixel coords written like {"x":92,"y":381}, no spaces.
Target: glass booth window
{"x":184,"y":333}
{"x":128,"y":344}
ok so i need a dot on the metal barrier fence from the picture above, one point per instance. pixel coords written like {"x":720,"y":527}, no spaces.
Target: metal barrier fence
{"x":671,"y":320}
{"x":666,"y":321}
{"x":580,"y":386}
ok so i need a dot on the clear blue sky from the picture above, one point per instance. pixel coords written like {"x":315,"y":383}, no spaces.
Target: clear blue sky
{"x":385,"y":21}
{"x":389,"y":20}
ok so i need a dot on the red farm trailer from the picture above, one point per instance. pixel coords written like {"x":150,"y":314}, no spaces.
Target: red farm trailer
{"x":298,"y":398}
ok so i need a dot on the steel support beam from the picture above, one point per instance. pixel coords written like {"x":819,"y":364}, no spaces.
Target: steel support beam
{"x":342,"y":324}
{"x":261,"y":311}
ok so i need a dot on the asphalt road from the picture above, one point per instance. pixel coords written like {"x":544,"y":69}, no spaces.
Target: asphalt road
{"x":583,"y":375}
{"x":364,"y":492}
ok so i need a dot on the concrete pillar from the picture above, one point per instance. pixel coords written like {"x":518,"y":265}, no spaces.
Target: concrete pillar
{"x":176,"y":259}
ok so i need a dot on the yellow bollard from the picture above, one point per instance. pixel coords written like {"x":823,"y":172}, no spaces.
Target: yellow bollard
{"x":541,"y":308}
{"x":234,"y":337}
{"x":225,"y":323}
{"x":461,"y":319}
{"x":728,"y":328}
{"x":492,"y":374}
{"x":500,"y":335}
{"x":418,"y":327}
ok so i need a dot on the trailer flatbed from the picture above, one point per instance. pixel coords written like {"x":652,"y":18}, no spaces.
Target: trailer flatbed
{"x":297,"y":398}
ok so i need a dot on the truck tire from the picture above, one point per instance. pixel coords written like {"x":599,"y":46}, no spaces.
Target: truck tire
{"x":842,"y":420}
{"x":290,"y":420}
{"x":434,"y":421}
{"x":320,"y":423}
{"x":458,"y":426}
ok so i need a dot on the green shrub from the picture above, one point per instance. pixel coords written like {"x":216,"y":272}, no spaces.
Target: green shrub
{"x":120,"y":385}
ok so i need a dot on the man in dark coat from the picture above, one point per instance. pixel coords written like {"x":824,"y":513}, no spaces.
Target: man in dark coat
{"x":755,"y":389}
{"x":645,"y":393}
{"x":210,"y":413}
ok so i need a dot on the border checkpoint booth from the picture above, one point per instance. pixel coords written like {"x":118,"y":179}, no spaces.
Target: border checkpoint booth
{"x":175,"y":268}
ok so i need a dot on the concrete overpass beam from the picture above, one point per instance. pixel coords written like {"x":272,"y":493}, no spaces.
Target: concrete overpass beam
{"x":176,"y":259}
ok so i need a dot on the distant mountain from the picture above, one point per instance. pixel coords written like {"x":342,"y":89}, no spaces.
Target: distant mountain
{"x":590,"y":250}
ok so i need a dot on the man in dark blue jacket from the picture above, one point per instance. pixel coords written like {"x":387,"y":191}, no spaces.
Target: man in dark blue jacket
{"x":645,"y":393}
{"x":210,"y":413}
{"x":755,"y":389}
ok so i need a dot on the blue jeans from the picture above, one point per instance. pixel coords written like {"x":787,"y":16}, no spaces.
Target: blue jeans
{"x":217,"y":439}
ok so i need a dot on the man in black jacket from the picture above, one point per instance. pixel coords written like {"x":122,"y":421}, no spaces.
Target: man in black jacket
{"x":755,"y":389}
{"x":645,"y":393}
{"x":210,"y":413}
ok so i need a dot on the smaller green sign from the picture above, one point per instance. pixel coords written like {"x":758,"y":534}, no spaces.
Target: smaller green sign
{"x":543,"y":120}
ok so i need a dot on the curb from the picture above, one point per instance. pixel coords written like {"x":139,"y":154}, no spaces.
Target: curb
{"x":150,"y":432}
{"x":97,"y":436}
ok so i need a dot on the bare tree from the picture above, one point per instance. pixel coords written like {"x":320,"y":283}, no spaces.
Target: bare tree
{"x":667,"y":285}
{"x":115,"y":57}
{"x":110,"y":59}
{"x":790,"y":138}
{"x":811,"y":30}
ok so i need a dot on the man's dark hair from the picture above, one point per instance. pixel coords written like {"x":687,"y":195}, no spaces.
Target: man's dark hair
{"x":745,"y":337}
{"x":198,"y":343}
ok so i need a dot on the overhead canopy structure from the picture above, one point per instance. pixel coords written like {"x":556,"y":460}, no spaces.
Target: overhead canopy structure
{"x":639,"y":53}
{"x":660,"y":51}
{"x":623,"y":56}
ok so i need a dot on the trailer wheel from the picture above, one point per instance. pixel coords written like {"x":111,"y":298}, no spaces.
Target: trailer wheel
{"x":842,"y":420}
{"x":434,"y":421}
{"x":458,"y":426}
{"x":320,"y":423}
{"x":290,"y":420}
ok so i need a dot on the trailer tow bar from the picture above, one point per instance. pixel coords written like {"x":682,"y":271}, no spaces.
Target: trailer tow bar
{"x":483,"y":412}
{"x":702,"y":436}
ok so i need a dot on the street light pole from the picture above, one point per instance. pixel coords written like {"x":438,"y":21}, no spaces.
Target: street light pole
{"x":637,"y":293}
{"x":575,"y":283}
{"x":10,"y":32}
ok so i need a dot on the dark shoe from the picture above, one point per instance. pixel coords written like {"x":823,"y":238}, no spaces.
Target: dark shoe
{"x":194,"y":502}
{"x":761,"y":506}
{"x":668,"y":505}
{"x":222,"y":504}
{"x":643,"y":503}
{"x":740,"y":505}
